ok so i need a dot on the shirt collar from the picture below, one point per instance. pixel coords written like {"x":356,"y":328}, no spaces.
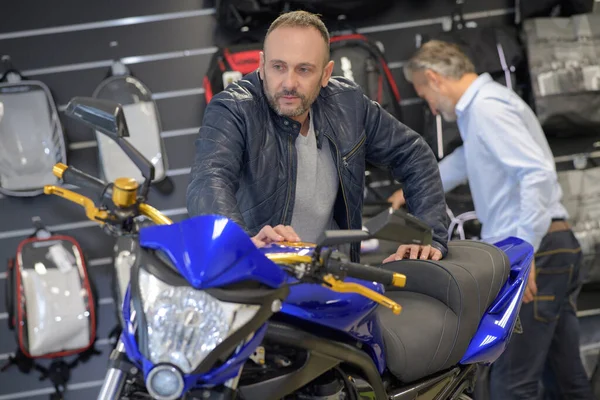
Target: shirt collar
{"x":471,"y":91}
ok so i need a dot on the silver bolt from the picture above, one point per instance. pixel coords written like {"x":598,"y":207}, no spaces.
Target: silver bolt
{"x":580,"y":161}
{"x":276,"y":306}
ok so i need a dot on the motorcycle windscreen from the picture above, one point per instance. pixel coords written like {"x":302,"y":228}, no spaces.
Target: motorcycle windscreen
{"x":31,"y":139}
{"x":144,"y":127}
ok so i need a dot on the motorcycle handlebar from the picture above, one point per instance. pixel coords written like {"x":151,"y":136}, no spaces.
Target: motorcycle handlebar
{"x":367,"y":273}
{"x":75,"y":177}
{"x":122,"y":194}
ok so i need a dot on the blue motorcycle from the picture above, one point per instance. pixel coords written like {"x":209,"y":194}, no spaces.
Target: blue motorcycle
{"x":207,"y":315}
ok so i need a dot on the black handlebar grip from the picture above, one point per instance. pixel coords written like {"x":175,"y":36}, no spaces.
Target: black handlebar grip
{"x":75,"y":177}
{"x":367,"y":273}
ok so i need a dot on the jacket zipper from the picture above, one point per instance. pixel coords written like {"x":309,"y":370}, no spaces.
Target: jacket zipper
{"x":354,"y":150}
{"x":337,"y":151}
{"x":289,"y":194}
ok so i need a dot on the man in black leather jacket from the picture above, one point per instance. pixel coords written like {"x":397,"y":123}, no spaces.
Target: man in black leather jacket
{"x":282,"y":152}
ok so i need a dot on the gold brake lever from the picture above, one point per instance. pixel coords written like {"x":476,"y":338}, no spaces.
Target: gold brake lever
{"x":296,"y":244}
{"x":351,"y":287}
{"x":91,"y":211}
{"x":156,"y":216}
{"x":288,"y":258}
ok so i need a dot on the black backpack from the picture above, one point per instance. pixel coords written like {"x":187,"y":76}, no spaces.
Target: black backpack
{"x":355,"y":57}
{"x":526,"y":9}
{"x":492,"y":49}
{"x":361,"y":60}
{"x":495,"y":50}
{"x":250,"y":15}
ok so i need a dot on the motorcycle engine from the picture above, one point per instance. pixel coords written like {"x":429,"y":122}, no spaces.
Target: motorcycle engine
{"x":331,"y":386}
{"x":328,"y":386}
{"x":270,"y":361}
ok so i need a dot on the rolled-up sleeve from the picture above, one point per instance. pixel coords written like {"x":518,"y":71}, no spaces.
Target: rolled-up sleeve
{"x":453,"y":169}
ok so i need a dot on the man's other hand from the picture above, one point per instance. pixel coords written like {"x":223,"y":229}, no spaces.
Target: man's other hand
{"x":397,"y":199}
{"x":531,"y":289}
{"x":280,"y":233}
{"x":415,"y":252}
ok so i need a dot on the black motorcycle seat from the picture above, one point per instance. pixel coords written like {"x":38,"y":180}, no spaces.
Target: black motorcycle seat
{"x":442,"y":305}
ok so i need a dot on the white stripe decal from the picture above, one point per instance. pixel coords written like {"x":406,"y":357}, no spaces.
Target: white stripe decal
{"x":127,"y":60}
{"x":144,"y":19}
{"x":88,"y":144}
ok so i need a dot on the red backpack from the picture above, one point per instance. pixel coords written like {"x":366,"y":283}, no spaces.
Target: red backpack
{"x":355,"y":56}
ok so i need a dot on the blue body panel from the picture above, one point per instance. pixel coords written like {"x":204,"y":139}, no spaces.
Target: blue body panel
{"x":212,"y":251}
{"x":348,"y":313}
{"x":497,"y":323}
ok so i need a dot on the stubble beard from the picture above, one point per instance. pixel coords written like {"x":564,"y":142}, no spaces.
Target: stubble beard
{"x":305,"y":102}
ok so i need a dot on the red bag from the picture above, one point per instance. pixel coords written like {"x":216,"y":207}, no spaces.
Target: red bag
{"x":355,"y":57}
{"x":51,"y":304}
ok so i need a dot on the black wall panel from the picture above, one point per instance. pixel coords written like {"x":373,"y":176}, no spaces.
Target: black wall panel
{"x":100,"y":44}
{"x":169,"y":50}
{"x":27,"y":15}
{"x":161,"y":76}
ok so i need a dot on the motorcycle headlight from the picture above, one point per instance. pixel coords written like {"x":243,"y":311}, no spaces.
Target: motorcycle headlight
{"x":184,"y":324}
{"x":165,"y":383}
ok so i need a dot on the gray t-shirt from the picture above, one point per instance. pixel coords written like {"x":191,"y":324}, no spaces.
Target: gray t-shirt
{"x":317,"y":186}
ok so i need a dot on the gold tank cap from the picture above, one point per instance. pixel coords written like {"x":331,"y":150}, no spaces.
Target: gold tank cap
{"x":126,"y":184}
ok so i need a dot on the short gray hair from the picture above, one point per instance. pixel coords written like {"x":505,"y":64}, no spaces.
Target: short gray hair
{"x":447,"y":59}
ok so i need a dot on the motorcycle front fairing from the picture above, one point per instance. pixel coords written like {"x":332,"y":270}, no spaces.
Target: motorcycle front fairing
{"x":212,"y":251}
{"x":199,"y":299}
{"x":350,"y":315}
{"x":31,"y":138}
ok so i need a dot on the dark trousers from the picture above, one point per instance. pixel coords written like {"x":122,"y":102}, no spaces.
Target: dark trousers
{"x":550,"y":337}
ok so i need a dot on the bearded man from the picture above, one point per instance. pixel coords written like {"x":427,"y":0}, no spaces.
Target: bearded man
{"x":282,"y":152}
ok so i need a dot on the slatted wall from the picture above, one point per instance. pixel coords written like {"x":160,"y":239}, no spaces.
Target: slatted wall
{"x":70,"y":45}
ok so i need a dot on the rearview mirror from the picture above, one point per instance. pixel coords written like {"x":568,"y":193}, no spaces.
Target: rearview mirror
{"x":399,"y":226}
{"x":105,"y":116}
{"x":394,"y":225}
{"x":108,"y":117}
{"x":337,"y":237}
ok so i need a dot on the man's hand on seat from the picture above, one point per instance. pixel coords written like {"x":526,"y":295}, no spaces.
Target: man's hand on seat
{"x":415,"y":252}
{"x":397,"y":199}
{"x":531,"y":289}
{"x":280,"y":233}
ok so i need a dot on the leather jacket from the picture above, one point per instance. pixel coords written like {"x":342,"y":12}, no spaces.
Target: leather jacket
{"x":245,"y":164}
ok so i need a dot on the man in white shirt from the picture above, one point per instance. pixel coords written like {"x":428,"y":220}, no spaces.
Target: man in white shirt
{"x":508,"y":163}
